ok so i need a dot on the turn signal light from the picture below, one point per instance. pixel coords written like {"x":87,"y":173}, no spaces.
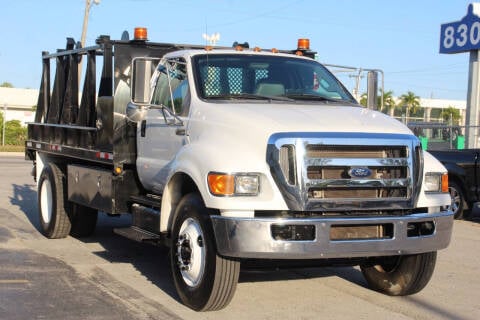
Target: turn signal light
{"x":445,"y":182}
{"x":140,"y":33}
{"x":221,"y":184}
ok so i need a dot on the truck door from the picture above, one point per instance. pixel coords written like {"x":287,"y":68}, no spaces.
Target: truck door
{"x":162,"y":133}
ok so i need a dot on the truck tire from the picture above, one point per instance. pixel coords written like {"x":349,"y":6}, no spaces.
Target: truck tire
{"x":204,"y":280}
{"x":458,"y":199}
{"x":83,"y":220}
{"x":52,"y":203}
{"x":400,"y":275}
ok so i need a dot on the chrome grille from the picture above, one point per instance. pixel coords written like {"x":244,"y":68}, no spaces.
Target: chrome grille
{"x":336,"y":182}
{"x":356,"y":171}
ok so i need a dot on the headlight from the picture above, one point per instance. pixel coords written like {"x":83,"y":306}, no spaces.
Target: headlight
{"x":436,"y":182}
{"x":237,"y":184}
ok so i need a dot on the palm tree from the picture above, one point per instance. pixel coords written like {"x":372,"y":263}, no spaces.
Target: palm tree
{"x":450,"y":113}
{"x":411,"y":102}
{"x":388,"y":101}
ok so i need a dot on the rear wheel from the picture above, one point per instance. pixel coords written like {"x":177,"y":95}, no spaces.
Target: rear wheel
{"x":400,"y":275}
{"x":204,"y":280}
{"x":52,"y":203}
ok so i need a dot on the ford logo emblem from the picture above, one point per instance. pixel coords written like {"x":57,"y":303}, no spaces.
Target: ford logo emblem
{"x":359,"y":172}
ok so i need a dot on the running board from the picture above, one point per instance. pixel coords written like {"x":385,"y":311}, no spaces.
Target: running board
{"x":139,"y":235}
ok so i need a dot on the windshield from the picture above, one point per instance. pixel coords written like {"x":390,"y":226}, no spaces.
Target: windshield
{"x":241,"y":76}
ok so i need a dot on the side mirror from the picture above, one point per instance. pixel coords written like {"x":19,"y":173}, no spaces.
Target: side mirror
{"x":372,"y":90}
{"x":135,"y":112}
{"x":142,"y":71}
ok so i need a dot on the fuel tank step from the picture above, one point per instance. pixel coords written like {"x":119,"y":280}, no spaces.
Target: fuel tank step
{"x":139,"y":235}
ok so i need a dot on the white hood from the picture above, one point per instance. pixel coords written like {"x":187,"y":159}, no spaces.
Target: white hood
{"x":266,"y":119}
{"x":242,"y":130}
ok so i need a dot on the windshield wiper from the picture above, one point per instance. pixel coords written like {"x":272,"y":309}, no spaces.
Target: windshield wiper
{"x":313,"y":97}
{"x":249,"y":96}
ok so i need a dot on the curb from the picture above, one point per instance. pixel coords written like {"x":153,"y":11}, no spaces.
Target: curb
{"x":12,"y":154}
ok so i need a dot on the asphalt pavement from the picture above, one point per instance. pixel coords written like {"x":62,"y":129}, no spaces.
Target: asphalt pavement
{"x":108,"y":277}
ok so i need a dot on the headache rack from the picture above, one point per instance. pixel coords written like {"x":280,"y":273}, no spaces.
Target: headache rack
{"x":91,"y":125}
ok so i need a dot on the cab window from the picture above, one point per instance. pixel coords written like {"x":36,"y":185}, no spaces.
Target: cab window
{"x":171,"y":86}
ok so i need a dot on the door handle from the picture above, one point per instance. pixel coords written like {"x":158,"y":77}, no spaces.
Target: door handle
{"x":180,"y":132}
{"x":143,"y":128}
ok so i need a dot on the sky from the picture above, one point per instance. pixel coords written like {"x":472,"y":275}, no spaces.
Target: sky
{"x":401,"y":38}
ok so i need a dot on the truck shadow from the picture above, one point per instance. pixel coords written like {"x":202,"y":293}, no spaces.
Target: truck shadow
{"x":25,"y":197}
{"x":350,"y":274}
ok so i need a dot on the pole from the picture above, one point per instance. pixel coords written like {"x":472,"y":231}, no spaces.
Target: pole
{"x":88,"y":5}
{"x":473,"y":100}
{"x":3,"y":127}
{"x":357,"y":84}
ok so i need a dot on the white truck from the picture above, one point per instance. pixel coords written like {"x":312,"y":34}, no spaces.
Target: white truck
{"x":233,"y":155}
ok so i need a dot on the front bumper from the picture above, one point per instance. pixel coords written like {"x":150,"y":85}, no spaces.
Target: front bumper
{"x":252,"y":237}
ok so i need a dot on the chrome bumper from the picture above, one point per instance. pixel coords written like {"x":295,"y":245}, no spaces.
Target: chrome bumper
{"x":252,"y":237}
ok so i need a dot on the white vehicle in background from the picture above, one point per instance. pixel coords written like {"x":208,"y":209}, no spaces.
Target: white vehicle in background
{"x":231,"y":155}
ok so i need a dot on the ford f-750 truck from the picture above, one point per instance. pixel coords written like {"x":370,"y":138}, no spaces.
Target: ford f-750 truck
{"x":229,"y":155}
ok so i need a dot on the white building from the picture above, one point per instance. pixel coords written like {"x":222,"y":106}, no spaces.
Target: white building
{"x":429,"y":104}
{"x":18,"y":104}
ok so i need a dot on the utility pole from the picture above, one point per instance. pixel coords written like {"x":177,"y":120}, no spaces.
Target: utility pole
{"x":358,"y":77}
{"x":3,"y":127}
{"x":88,"y":5}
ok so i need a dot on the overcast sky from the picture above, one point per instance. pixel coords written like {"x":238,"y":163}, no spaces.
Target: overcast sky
{"x":400,"y":37}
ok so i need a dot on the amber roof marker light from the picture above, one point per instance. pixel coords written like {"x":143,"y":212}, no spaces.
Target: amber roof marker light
{"x":140,"y":34}
{"x":303,"y":44}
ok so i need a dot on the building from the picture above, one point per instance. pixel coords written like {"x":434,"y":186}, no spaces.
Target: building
{"x":18,"y":104}
{"x":430,"y":104}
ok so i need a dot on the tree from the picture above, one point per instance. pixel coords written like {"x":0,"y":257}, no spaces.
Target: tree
{"x":6,"y":85}
{"x":15,"y":134}
{"x":411,"y":102}
{"x":451,"y":113}
{"x":388,"y":101}
{"x":389,"y":104}
{"x":1,"y":127}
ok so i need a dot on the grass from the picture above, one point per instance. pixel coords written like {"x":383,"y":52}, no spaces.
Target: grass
{"x":8,"y":148}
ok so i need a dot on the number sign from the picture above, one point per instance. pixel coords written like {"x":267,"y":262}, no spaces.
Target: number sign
{"x":463,"y":35}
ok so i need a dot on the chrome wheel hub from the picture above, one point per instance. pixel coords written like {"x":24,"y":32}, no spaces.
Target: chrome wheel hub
{"x":190,"y":252}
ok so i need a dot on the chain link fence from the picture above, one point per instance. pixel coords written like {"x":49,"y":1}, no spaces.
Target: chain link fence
{"x":444,"y":136}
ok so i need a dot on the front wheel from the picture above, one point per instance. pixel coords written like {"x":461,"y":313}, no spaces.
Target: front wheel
{"x":204,"y":280}
{"x":400,"y":275}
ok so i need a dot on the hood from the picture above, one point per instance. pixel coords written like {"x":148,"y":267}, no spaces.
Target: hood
{"x":242,"y":130}
{"x":266,"y":119}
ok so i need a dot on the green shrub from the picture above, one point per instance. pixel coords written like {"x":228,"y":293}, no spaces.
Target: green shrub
{"x":8,"y":148}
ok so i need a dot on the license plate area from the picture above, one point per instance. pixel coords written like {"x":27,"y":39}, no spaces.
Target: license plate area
{"x":361,"y":232}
